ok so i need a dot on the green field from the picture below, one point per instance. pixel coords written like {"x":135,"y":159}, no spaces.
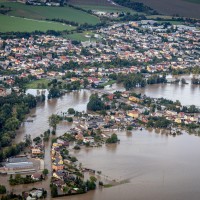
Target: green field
{"x":101,"y":5}
{"x":38,"y":84}
{"x":44,"y":12}
{"x":80,"y":36}
{"x":9,"y":24}
{"x":77,"y":36}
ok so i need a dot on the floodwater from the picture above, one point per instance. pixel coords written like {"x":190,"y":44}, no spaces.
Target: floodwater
{"x":155,"y":165}
{"x":187,"y":94}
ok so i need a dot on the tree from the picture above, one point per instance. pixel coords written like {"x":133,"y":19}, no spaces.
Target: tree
{"x":53,"y":121}
{"x":183,"y":81}
{"x":65,"y":189}
{"x":129,"y":128}
{"x":73,"y":159}
{"x":5,"y":141}
{"x":95,"y":103}
{"x":93,"y":178}
{"x":12,"y":124}
{"x":112,"y":139}
{"x":85,"y":82}
{"x":2,"y":189}
{"x":71,"y":111}
{"x":54,"y":93}
{"x":54,"y":191}
{"x":45,"y":172}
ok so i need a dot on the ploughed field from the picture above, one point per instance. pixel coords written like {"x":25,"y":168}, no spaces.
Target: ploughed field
{"x":185,"y":8}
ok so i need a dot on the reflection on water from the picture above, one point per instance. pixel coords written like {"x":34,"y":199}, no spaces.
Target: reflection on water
{"x":187,"y":94}
{"x":77,"y":100}
{"x":157,"y":166}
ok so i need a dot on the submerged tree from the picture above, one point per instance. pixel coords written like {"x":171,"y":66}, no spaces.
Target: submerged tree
{"x":53,"y":121}
{"x":95,"y":103}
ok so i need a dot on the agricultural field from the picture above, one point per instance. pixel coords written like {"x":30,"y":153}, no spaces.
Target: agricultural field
{"x":46,"y":12}
{"x":101,"y":5}
{"x":183,"y":8}
{"x":15,"y":24}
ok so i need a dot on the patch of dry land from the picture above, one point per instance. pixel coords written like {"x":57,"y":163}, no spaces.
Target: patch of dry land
{"x":184,"y":8}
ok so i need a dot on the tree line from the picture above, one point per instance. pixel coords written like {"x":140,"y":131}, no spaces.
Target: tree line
{"x":13,"y":109}
{"x":137,"y":6}
{"x":133,"y":80}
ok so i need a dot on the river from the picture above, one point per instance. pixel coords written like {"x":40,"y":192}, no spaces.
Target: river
{"x":156,"y":166}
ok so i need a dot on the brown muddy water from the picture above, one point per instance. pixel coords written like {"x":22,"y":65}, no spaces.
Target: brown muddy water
{"x":156,"y":166}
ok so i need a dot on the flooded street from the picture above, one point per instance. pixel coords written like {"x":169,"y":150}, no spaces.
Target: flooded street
{"x":155,"y":165}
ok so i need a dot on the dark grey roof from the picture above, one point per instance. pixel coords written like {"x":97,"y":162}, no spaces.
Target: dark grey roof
{"x":19,"y":165}
{"x":18,"y":159}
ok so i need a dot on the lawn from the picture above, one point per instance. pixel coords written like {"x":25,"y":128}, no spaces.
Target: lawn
{"x":9,"y":23}
{"x":82,"y":37}
{"x":109,"y":82}
{"x":38,"y":84}
{"x":77,"y":36}
{"x":44,"y":12}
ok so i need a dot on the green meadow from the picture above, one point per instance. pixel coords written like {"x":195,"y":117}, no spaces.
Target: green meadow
{"x":15,"y":24}
{"x":82,"y":37}
{"x":44,"y":12}
{"x":37,"y":84}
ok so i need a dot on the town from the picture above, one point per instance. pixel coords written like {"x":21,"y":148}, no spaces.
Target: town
{"x":134,"y":54}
